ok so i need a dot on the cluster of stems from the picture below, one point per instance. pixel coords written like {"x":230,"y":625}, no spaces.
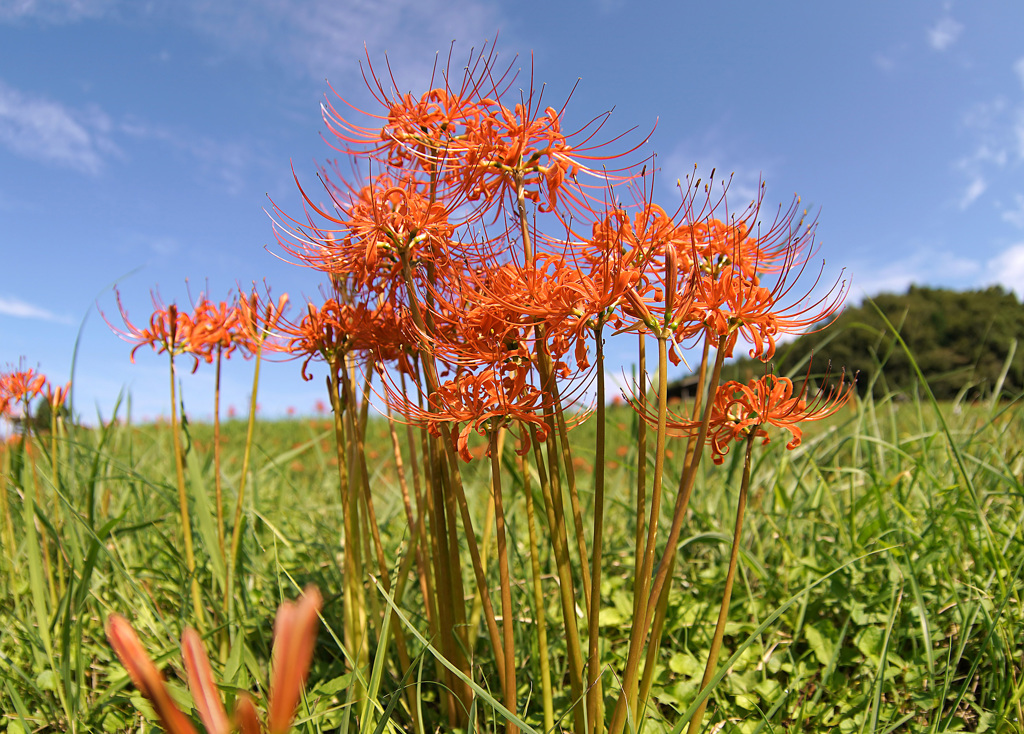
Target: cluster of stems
{"x":476,"y":264}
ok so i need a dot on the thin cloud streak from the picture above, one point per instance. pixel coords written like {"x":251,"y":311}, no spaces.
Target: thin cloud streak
{"x":24,"y":310}
{"x":39,"y":128}
{"x":327,"y":37}
{"x":924,"y":266}
{"x":230,"y":161}
{"x":944,"y":33}
{"x":53,"y":11}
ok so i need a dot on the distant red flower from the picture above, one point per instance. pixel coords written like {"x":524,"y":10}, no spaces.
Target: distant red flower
{"x":56,"y":396}
{"x":169,"y":329}
{"x":258,"y":319}
{"x":215,"y":327}
{"x":18,"y":386}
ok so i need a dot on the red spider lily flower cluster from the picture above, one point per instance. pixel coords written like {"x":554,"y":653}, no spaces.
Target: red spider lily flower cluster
{"x":740,"y":410}
{"x":451,"y":234}
{"x":295,"y":631}
{"x":725,"y":278}
{"x":337,"y":330}
{"x":209,"y":330}
{"x":18,"y":386}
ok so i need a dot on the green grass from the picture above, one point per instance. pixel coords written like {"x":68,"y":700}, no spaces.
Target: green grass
{"x":910,"y":526}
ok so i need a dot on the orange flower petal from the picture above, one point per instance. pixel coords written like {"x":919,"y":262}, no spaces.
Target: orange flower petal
{"x":205,"y":695}
{"x":294,"y":637}
{"x":145,"y":675}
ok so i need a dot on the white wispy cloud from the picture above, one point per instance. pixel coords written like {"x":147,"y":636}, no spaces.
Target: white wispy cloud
{"x":944,"y":33}
{"x":995,"y":130}
{"x":324,"y":38}
{"x":40,"y":128}
{"x":53,"y":11}
{"x":18,"y":308}
{"x":327,"y":37}
{"x":925,"y":265}
{"x":1007,"y":268}
{"x":1015,"y":214}
{"x":229,"y":161}
{"x":973,"y":191}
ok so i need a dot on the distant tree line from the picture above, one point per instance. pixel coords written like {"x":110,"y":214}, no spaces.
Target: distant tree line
{"x":961,"y":340}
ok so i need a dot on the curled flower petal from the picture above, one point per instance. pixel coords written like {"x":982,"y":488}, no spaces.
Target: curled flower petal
{"x":294,"y":637}
{"x":204,"y":691}
{"x":246,"y":719}
{"x":145,"y":675}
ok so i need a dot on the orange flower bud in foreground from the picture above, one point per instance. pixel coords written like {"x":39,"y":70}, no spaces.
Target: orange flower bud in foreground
{"x":145,"y":675}
{"x":294,"y":638}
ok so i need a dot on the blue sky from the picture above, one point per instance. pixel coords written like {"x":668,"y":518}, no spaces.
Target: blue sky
{"x":142,"y":141}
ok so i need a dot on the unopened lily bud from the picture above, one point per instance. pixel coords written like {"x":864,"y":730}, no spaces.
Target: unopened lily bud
{"x":671,"y":277}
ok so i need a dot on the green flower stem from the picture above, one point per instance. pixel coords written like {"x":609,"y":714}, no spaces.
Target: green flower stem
{"x":236,"y":530}
{"x":547,"y":696}
{"x":654,"y":643}
{"x":186,"y":526}
{"x":355,"y":619}
{"x":217,"y":483}
{"x":641,"y":473}
{"x":595,"y":694}
{"x":507,"y":615}
{"x":626,"y":704}
{"x":566,"y":591}
{"x":723,"y":612}
{"x":558,"y":427}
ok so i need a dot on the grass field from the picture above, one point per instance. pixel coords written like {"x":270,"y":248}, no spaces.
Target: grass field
{"x":879,"y":585}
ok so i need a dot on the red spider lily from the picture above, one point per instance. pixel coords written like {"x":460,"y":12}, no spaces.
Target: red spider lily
{"x":215,"y":327}
{"x":734,"y":304}
{"x":169,"y":330}
{"x":415,"y":130}
{"x":728,"y":278}
{"x":19,"y":386}
{"x":258,"y":319}
{"x":56,"y":396}
{"x":661,"y":261}
{"x":741,"y":410}
{"x":145,"y":676}
{"x":747,"y":272}
{"x":373,"y":233}
{"x":295,"y":632}
{"x":463,"y":135}
{"x":335,"y":330}
{"x":480,"y":401}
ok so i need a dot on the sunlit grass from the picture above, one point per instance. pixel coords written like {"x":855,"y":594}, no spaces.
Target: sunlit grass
{"x":918,"y":627}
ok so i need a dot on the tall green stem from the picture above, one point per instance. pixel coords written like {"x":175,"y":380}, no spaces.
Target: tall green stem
{"x":186,"y":525}
{"x":723,"y":612}
{"x":236,"y":530}
{"x":566,"y":591}
{"x":507,"y":616}
{"x":540,"y":615}
{"x":595,"y":694}
{"x":217,"y":482}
